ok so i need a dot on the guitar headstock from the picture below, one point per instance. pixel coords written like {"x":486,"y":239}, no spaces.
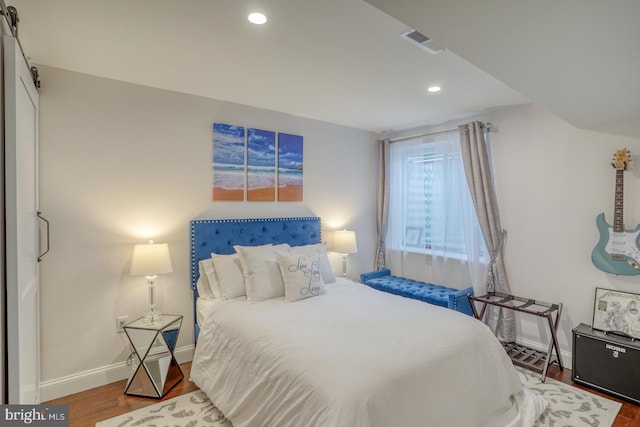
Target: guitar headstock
{"x":621,"y":159}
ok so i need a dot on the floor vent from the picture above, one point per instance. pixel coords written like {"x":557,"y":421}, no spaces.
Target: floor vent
{"x":416,"y":38}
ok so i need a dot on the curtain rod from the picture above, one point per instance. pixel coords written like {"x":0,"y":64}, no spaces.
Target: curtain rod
{"x":487,"y":127}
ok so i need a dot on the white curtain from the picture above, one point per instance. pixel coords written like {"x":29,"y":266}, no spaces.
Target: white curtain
{"x":453,"y":252}
{"x":453,"y":263}
{"x":401,"y":259}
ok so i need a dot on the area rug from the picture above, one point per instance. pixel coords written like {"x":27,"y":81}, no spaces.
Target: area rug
{"x":188,"y":410}
{"x":568,"y":407}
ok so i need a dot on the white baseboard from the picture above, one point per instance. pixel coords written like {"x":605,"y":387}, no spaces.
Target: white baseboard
{"x":82,"y":381}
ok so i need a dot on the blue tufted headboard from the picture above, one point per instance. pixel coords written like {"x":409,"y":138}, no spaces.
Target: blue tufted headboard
{"x":219,"y":235}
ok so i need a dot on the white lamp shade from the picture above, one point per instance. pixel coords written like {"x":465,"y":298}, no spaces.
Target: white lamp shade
{"x":344,"y":242}
{"x":150,"y":260}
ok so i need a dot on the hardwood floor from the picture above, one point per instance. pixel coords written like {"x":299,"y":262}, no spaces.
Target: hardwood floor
{"x":98,"y":404}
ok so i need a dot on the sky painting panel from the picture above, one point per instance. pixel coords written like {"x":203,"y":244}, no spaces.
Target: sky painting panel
{"x":261,"y":165}
{"x":290,"y":161}
{"x":228,"y":162}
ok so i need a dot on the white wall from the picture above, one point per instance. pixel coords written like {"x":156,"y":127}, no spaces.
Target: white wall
{"x":122,"y":163}
{"x":552,"y":180}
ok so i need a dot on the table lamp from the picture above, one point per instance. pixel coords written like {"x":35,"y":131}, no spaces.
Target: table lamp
{"x":150,"y":260}
{"x":344,"y":242}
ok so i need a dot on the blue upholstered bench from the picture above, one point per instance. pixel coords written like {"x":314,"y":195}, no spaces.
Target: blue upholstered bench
{"x":454,"y":299}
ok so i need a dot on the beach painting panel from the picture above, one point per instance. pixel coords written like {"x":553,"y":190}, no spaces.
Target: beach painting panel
{"x":261,"y":165}
{"x":228,"y":162}
{"x":289,"y":167}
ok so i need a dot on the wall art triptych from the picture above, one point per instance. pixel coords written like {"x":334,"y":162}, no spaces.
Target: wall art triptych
{"x":261,"y":164}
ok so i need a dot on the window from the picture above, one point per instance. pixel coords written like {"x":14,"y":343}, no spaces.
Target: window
{"x":430,"y":208}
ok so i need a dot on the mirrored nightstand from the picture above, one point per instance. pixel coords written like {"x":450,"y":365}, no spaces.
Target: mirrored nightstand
{"x":156,"y":369}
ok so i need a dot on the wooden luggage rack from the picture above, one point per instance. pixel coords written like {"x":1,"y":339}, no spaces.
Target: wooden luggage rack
{"x":520,"y":355}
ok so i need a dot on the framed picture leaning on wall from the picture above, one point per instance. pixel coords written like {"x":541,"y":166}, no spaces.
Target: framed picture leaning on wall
{"x":617,"y":312}
{"x":413,"y":236}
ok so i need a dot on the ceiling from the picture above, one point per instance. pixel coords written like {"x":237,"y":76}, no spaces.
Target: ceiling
{"x":342,"y":61}
{"x":578,"y":58}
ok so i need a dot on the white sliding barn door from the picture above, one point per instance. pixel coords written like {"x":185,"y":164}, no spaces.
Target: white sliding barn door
{"x":21,"y":205}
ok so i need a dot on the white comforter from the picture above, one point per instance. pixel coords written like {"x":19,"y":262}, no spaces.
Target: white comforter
{"x":356,"y":357}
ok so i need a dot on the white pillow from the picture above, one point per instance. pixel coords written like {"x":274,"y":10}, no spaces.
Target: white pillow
{"x":301,"y":276}
{"x":207,"y":277}
{"x":202,"y":285}
{"x":328,"y":276}
{"x":230,"y":278}
{"x":262,"y":276}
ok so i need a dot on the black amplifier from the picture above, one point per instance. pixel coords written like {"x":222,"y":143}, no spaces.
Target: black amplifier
{"x":606,"y":362}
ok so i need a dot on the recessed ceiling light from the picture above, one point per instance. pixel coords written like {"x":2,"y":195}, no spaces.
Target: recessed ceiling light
{"x":434,"y":89}
{"x":257,"y":18}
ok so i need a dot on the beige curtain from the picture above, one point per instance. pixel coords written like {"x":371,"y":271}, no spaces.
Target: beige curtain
{"x":383,"y":202}
{"x":477,"y":166}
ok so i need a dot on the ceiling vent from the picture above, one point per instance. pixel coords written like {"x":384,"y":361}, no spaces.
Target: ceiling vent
{"x":416,"y":38}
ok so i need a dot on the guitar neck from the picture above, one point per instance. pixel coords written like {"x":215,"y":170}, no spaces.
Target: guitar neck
{"x":618,"y":204}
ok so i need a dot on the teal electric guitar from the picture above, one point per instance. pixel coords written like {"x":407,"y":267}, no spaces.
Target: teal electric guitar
{"x":617,"y":250}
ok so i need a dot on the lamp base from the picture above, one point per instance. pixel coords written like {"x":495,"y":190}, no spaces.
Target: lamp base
{"x":153,"y":317}
{"x":344,"y":265}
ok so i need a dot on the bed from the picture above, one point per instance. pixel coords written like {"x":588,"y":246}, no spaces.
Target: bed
{"x":347,"y":356}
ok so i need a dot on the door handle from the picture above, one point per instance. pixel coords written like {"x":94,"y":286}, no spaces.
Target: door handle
{"x":47,"y":224}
